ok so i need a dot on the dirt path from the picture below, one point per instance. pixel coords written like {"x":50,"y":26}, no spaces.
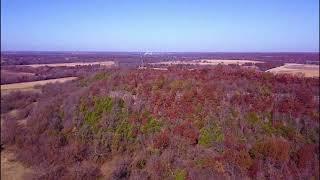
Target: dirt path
{"x":11,"y":169}
{"x":109,"y":166}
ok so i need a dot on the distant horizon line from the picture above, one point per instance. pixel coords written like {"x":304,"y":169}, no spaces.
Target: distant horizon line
{"x":159,"y":52}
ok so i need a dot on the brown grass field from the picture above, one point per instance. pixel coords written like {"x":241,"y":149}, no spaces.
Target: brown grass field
{"x":306,"y":70}
{"x":208,"y":62}
{"x":29,"y":86}
{"x":11,"y":73}
{"x":102,"y":63}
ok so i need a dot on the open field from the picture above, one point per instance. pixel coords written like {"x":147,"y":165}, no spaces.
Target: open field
{"x":291,"y":68}
{"x":13,"y":73}
{"x":26,"y":86}
{"x":208,"y":62}
{"x":161,"y":69}
{"x":134,"y":58}
{"x":102,"y":63}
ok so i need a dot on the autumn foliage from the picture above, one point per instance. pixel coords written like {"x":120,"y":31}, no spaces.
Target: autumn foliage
{"x":225,"y":122}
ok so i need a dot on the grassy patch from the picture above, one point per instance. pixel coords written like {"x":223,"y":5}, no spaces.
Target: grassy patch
{"x":151,"y":126}
{"x":101,"y":76}
{"x":268,"y":128}
{"x":124,"y":130}
{"x":209,"y":135}
{"x":101,"y":105}
{"x":122,"y":134}
{"x":252,"y":118}
{"x":180,"y":174}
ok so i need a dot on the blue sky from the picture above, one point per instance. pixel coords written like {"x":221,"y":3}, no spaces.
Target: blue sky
{"x":171,"y":25}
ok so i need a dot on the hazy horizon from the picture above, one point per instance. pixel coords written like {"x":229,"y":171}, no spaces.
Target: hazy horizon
{"x":165,"y":27}
{"x":214,"y":52}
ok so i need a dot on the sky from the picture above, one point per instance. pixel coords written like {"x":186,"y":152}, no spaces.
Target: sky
{"x":162,"y":25}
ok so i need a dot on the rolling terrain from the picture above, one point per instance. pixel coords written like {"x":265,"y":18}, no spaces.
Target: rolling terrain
{"x":102,"y":63}
{"x":188,"y":116}
{"x":223,"y":121}
{"x":30,"y":86}
{"x":306,"y":70}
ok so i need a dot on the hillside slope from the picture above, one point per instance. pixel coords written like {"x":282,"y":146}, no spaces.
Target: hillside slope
{"x":222,"y":122}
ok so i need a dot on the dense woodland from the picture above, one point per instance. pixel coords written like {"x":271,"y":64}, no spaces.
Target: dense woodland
{"x":224,"y":122}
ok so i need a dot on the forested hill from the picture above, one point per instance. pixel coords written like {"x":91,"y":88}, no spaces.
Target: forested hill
{"x":221,"y":122}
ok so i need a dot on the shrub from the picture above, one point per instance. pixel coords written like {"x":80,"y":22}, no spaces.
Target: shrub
{"x":187,"y":131}
{"x":252,"y":118}
{"x":286,"y":131}
{"x":254,"y":169}
{"x":100,"y":76}
{"x":279,"y":129}
{"x":206,"y":137}
{"x":141,"y":163}
{"x":122,"y":136}
{"x":9,"y":130}
{"x":17,"y":100}
{"x":215,"y":164}
{"x":156,"y":168}
{"x":101,"y":105}
{"x":176,"y":84}
{"x":275,"y":148}
{"x":268,"y":128}
{"x":158,"y":84}
{"x":151,"y":126}
{"x":241,"y":158}
{"x":161,"y":141}
{"x":122,"y":170}
{"x":53,"y":172}
{"x":180,"y":174}
{"x":219,"y":167}
{"x":210,"y":135}
{"x":124,"y":130}
{"x":305,"y":155}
